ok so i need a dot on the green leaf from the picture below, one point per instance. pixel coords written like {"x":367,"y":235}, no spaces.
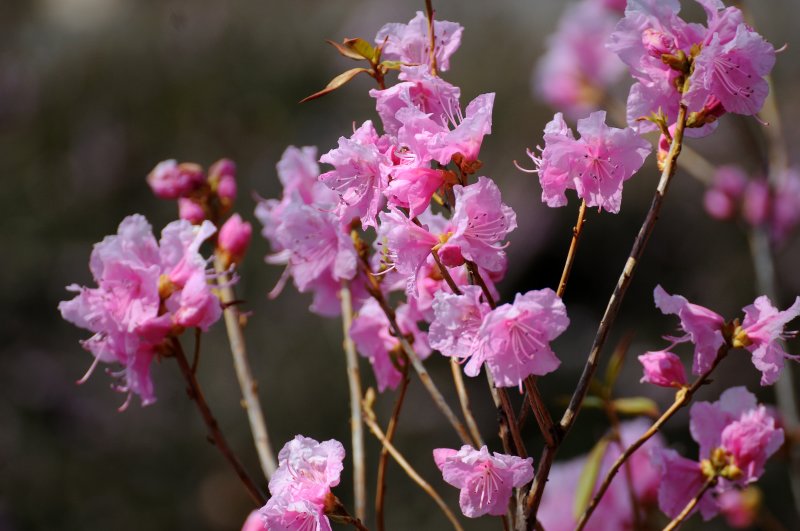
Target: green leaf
{"x":361,"y":47}
{"x":347,"y":52}
{"x":638,"y":405}
{"x":335,"y":83}
{"x":588,"y":479}
{"x":617,"y":361}
{"x":594,"y":402}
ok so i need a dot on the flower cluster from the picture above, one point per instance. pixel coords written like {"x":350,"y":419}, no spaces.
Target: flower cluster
{"x":146,"y":291}
{"x":713,"y":69}
{"x":736,"y":437}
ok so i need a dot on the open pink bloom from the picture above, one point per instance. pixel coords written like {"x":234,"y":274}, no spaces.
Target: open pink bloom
{"x":614,"y":510}
{"x":745,"y":432}
{"x":374,"y":340}
{"x":409,"y":43}
{"x":577,"y":69}
{"x":764,"y":327}
{"x":595,"y":166}
{"x":663,"y":368}
{"x":413,"y":187}
{"x":408,"y":244}
{"x":357,"y":176}
{"x":486,"y":481}
{"x":137,"y":278}
{"x":420,"y":89}
{"x":307,"y":469}
{"x":480,"y":222}
{"x":702,"y":327}
{"x":285,"y":513}
{"x":457,"y":321}
{"x":170,"y":180}
{"x":514,"y":339}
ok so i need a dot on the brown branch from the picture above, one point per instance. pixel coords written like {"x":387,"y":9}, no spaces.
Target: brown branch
{"x":611,"y":312}
{"x":196,"y":394}
{"x":380,"y":491}
{"x":431,"y":35}
{"x":691,"y":505}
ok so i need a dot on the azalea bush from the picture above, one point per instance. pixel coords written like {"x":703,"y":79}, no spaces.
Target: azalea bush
{"x":400,"y":233}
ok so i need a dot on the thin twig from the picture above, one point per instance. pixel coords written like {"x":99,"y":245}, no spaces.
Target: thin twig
{"x":369,"y":419}
{"x":356,"y":424}
{"x":610,"y":315}
{"x":248,"y":385}
{"x":691,"y":505}
{"x":431,"y":35}
{"x":682,"y":397}
{"x":540,"y":411}
{"x":380,"y":491}
{"x":196,"y":394}
{"x":463,"y":398}
{"x":198,"y":334}
{"x":475,"y":274}
{"x":577,"y":230}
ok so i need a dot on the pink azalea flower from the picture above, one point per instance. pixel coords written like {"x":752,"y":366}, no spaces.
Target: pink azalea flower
{"x":409,"y":43}
{"x":594,"y":166}
{"x":254,"y":522}
{"x":284,"y":513}
{"x":170,"y":180}
{"x":468,"y":131}
{"x":357,"y":176}
{"x":137,"y":279}
{"x":486,"y":481}
{"x":702,"y":327}
{"x":413,"y":187}
{"x":764,"y":326}
{"x":744,"y":432}
{"x":418,"y":89}
{"x":457,"y":321}
{"x":740,"y":507}
{"x":307,"y":469}
{"x":514,"y":339}
{"x":577,"y":69}
{"x":614,"y":510}
{"x":409,"y":243}
{"x":480,"y":222}
{"x":663,"y":368}
{"x":374,"y":340}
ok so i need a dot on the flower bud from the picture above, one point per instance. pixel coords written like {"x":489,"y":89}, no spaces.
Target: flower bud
{"x":234,"y":238}
{"x":222,"y":174}
{"x":757,"y":205}
{"x":191,"y":211}
{"x":170,"y":180}
{"x":450,"y":255}
{"x":657,"y":43}
{"x":663,"y":368}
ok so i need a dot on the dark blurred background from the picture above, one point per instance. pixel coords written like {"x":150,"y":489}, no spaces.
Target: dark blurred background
{"x":93,"y":93}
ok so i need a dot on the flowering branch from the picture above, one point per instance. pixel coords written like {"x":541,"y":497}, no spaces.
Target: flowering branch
{"x":691,"y":505}
{"x":682,"y":397}
{"x":610,"y":315}
{"x":369,"y":419}
{"x":354,"y":382}
{"x":247,"y":383}
{"x":573,"y":247}
{"x":196,"y":394}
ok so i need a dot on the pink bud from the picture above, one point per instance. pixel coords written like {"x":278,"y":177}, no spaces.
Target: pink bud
{"x":450,"y":255}
{"x":226,"y":189}
{"x":718,"y":204}
{"x":657,"y":43}
{"x":223,"y":172}
{"x":663,"y":368}
{"x":170,"y":180}
{"x":757,"y":203}
{"x":190,"y":211}
{"x":234,"y":236}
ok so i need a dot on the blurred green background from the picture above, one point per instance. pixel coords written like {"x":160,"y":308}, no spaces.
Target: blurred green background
{"x":93,"y":93}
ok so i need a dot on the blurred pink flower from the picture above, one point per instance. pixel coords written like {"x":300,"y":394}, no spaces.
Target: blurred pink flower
{"x":409,"y":43}
{"x":663,"y":368}
{"x":763,"y":327}
{"x":170,"y":180}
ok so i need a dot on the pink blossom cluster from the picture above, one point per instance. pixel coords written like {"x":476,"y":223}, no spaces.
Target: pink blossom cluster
{"x":733,"y":195}
{"x":761,"y":333}
{"x":392,"y":183}
{"x":301,"y":486}
{"x":736,"y":437}
{"x":576,"y":70}
{"x":146,"y":292}
{"x":615,"y":510}
{"x":723,"y":63}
